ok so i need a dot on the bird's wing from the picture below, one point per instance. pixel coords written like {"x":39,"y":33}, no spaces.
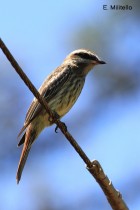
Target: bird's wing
{"x":51,"y":86}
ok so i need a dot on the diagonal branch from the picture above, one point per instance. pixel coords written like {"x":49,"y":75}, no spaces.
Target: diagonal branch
{"x":113,"y":196}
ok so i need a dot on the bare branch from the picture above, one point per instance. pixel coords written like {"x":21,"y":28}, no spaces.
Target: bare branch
{"x":113,"y":196}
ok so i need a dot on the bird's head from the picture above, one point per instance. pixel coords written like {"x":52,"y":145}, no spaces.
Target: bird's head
{"x":84,"y":59}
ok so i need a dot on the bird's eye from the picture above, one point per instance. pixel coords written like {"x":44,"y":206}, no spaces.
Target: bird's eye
{"x":86,"y":56}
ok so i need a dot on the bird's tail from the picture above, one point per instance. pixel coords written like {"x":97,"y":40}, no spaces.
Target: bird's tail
{"x":22,"y":162}
{"x":24,"y":155}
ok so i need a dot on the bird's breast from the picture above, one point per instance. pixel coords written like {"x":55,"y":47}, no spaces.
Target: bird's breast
{"x":67,"y":96}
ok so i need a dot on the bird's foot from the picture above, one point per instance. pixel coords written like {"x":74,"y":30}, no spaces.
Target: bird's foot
{"x":55,"y":115}
{"x":64,"y":125}
{"x":56,"y":129}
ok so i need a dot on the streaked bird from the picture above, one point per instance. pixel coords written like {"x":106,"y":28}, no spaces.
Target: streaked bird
{"x":60,"y":90}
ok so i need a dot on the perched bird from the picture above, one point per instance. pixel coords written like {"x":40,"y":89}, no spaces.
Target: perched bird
{"x":60,"y":90}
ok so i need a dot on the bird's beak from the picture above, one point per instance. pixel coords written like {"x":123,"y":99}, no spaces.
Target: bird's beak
{"x":101,"y":62}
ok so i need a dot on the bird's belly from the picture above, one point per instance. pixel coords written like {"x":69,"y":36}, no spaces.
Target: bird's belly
{"x":66,"y":98}
{"x":64,"y":107}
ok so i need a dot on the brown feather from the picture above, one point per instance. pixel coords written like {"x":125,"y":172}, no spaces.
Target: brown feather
{"x":28,"y":139}
{"x":22,"y":162}
{"x":22,"y":140}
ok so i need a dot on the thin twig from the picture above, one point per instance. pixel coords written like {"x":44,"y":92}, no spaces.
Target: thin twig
{"x":94,"y":167}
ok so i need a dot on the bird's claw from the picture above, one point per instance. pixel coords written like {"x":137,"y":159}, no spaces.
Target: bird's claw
{"x":64,"y":125}
{"x":57,"y":117}
{"x":56,"y":128}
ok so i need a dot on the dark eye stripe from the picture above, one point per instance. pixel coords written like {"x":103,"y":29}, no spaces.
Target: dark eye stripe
{"x":86,"y":56}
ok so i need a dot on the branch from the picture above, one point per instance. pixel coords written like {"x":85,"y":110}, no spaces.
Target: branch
{"x":113,"y":196}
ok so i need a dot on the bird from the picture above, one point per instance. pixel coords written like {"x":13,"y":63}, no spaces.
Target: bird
{"x":60,"y":89}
